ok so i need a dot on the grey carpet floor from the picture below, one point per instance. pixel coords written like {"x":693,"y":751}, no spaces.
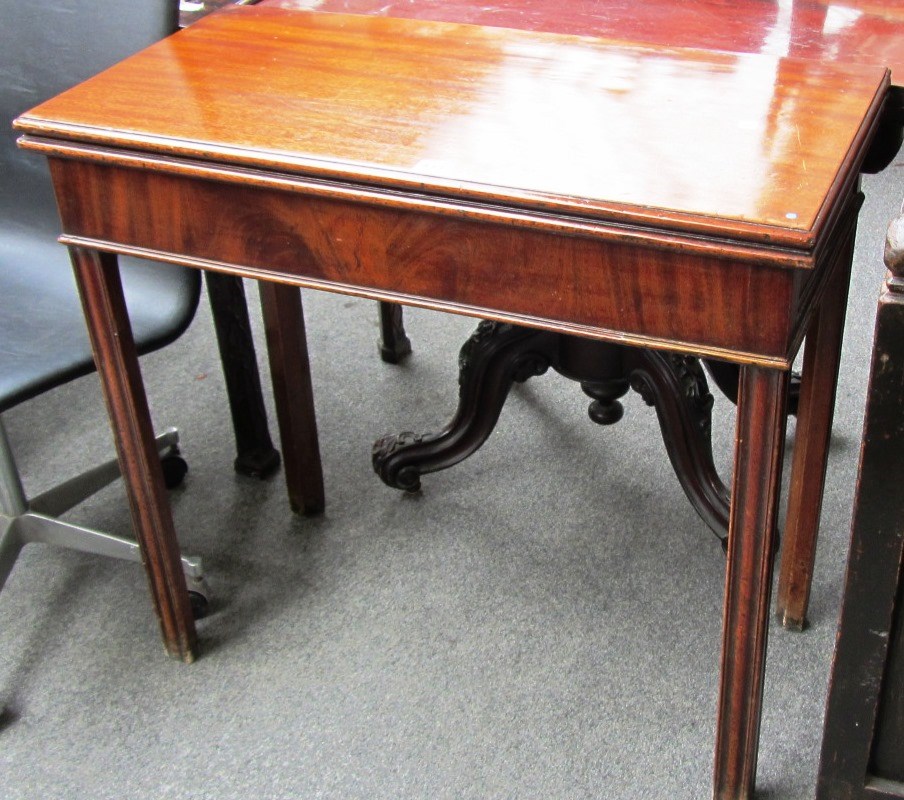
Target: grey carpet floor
{"x":541,"y":622}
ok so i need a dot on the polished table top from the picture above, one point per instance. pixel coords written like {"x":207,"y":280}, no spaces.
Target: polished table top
{"x":738,"y":159}
{"x":748,"y":148}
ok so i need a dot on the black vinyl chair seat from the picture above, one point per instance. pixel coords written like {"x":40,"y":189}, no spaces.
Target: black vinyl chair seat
{"x":43,"y":340}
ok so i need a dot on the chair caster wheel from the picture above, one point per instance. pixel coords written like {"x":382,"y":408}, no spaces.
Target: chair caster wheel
{"x":200,"y":605}
{"x":174,"y":469}
{"x":198,"y":590}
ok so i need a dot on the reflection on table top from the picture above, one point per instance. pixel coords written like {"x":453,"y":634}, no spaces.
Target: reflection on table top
{"x":617,"y":132}
{"x":858,"y":31}
{"x":192,"y":10}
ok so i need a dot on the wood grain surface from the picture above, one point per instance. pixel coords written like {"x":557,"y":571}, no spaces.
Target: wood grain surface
{"x":745,"y":147}
{"x":633,"y":292}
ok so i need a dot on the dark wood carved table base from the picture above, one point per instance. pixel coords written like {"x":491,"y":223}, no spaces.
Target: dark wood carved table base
{"x":499,"y":354}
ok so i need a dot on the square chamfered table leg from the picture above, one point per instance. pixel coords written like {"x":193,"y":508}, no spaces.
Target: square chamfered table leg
{"x":822,"y":356}
{"x":293,"y":395}
{"x":97,"y":277}
{"x":756,"y":486}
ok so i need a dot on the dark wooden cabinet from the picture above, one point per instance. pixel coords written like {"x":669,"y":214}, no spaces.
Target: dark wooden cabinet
{"x":863,"y":745}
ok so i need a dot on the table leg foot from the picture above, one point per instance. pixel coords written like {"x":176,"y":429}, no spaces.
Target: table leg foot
{"x":394,"y":344}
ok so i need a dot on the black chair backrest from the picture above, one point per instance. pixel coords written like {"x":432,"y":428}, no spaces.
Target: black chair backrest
{"x":47,"y":46}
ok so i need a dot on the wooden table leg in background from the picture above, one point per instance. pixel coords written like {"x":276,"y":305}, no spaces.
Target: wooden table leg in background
{"x":822,"y":354}
{"x":97,"y":276}
{"x":394,"y":344}
{"x":293,"y":395}
{"x":762,"y":397}
{"x":255,"y":454}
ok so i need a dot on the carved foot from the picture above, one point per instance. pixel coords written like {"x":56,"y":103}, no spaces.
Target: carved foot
{"x":394,"y":344}
{"x":393,"y":458}
{"x":677,"y":387}
{"x":493,"y":358}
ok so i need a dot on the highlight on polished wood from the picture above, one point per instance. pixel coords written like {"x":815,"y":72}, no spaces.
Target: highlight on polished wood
{"x":551,"y":122}
{"x":190,"y":11}
{"x":852,"y":31}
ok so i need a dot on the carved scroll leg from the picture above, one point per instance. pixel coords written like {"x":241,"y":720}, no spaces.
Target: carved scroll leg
{"x":97,"y":277}
{"x":256,"y":456}
{"x":394,"y":344}
{"x":748,"y":578}
{"x":822,"y":353}
{"x":677,"y":387}
{"x":293,"y":395}
{"x":495,"y":356}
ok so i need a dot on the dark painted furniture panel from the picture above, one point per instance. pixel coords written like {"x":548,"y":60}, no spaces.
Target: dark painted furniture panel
{"x":863,"y":745}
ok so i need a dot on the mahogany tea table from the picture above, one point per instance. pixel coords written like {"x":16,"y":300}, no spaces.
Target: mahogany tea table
{"x":688,"y":202}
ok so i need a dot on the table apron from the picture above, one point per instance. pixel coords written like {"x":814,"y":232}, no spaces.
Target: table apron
{"x":710,"y":305}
